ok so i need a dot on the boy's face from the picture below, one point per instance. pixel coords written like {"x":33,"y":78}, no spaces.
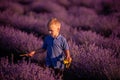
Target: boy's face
{"x":53,"y":30}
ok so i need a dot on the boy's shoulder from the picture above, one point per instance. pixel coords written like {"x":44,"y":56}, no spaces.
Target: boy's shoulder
{"x":47,"y":37}
{"x":61,"y":38}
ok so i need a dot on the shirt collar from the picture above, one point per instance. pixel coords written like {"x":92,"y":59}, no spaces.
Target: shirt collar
{"x":56,"y":37}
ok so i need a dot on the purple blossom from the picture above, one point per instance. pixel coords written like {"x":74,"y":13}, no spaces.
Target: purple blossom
{"x":24,"y":71}
{"x":18,"y":41}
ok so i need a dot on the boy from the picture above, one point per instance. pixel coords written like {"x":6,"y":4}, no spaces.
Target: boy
{"x":56,"y":46}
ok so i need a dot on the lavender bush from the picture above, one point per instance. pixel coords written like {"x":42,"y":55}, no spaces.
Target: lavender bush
{"x":116,"y":32}
{"x":24,"y":71}
{"x":105,"y":25}
{"x":114,"y":44}
{"x":92,"y":62}
{"x":25,"y":23}
{"x":88,"y":37}
{"x":19,"y":42}
{"x":12,"y":7}
{"x":82,"y":17}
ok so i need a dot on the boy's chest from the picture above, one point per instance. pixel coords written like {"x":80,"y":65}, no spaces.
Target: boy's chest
{"x":54,"y":43}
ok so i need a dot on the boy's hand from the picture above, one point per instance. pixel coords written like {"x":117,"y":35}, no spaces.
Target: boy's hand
{"x":29,"y":54}
{"x":67,"y":62}
{"x":69,"y":59}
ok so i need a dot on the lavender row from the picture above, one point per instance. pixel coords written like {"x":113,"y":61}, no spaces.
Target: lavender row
{"x":24,"y":71}
{"x":14,"y":40}
{"x":91,"y":62}
{"x":34,"y":16}
{"x":89,"y":37}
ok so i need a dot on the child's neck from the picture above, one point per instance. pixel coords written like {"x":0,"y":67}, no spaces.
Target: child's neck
{"x":55,"y":36}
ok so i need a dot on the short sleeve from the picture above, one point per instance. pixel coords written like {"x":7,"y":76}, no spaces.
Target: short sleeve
{"x":65,"y":44}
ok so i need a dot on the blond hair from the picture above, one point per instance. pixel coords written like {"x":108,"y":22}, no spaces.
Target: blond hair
{"x":54,"y":21}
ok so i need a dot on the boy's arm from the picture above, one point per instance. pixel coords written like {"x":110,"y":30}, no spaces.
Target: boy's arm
{"x":67,"y":54}
{"x":41,"y":50}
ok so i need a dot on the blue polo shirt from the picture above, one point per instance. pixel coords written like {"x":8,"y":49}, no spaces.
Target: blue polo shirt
{"x":55,"y":51}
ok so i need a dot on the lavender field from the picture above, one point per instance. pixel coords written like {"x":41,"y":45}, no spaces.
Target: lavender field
{"x":92,"y":29}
